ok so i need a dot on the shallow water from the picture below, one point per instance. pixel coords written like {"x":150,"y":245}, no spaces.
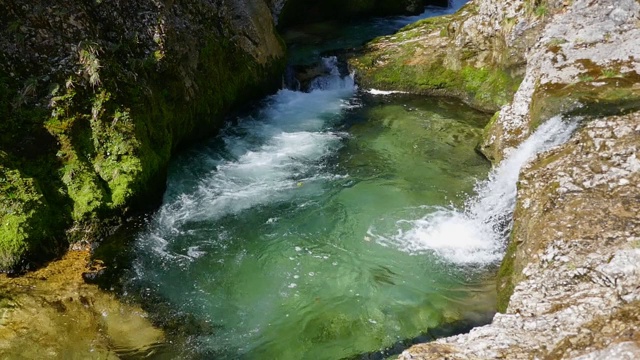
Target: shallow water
{"x":269,"y":236}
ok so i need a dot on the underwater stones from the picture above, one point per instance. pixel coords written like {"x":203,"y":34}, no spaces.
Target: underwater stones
{"x":51,"y":313}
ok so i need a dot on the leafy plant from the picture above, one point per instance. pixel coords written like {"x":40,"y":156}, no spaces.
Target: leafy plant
{"x":88,"y":58}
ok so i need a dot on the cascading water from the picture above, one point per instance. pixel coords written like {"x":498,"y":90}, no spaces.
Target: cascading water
{"x":477,"y":234}
{"x":262,"y":239}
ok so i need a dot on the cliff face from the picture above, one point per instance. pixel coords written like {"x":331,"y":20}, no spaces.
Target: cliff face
{"x":95,"y":96}
{"x":568,"y":286}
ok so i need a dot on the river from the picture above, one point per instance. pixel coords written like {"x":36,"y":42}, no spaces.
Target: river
{"x":329,"y":224}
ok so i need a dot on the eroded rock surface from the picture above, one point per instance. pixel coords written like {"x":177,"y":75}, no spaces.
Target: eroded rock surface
{"x":574,"y":259}
{"x":587,"y":55}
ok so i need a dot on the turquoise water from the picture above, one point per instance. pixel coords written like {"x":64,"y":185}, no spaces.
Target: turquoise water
{"x":275,"y":239}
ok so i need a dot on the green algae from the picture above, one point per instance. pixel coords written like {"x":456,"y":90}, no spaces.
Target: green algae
{"x":107,"y":145}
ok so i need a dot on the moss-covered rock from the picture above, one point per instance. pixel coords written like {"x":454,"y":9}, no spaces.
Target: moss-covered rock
{"x":471,"y":55}
{"x":23,"y":216}
{"x":95,"y":97}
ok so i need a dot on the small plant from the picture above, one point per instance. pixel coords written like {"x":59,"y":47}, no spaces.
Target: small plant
{"x":540,"y":10}
{"x":586,"y":78}
{"x":610,"y":73}
{"x":88,"y":58}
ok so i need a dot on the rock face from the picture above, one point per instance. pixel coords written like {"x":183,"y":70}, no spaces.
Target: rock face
{"x":568,"y":285}
{"x":477,"y":54}
{"x":575,"y":258}
{"x":587,"y":56}
{"x":95,"y":97}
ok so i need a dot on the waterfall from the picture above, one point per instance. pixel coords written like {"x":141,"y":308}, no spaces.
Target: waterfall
{"x":477,"y":234}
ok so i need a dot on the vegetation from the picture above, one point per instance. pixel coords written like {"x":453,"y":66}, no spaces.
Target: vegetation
{"x":78,"y":149}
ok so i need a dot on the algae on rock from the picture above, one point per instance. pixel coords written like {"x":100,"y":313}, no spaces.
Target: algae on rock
{"x":474,"y":54}
{"x":95,"y":97}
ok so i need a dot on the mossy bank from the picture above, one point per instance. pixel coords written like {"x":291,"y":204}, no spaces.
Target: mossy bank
{"x":95,"y":97}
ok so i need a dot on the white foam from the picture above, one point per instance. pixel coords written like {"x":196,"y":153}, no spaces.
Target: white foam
{"x":278,"y":149}
{"x":384,"y":92}
{"x":477,"y":234}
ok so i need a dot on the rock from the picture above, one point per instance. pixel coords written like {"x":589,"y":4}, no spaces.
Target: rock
{"x":51,"y":314}
{"x":476,"y":54}
{"x":96,"y":96}
{"x":575,"y":262}
{"x":585,"y":61}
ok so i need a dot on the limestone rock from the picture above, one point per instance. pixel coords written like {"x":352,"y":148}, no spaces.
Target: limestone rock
{"x":575,"y":260}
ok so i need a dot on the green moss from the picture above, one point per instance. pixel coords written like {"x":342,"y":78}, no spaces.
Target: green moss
{"x":103,"y":145}
{"x":505,"y":281}
{"x":406,"y":61}
{"x":23,"y":214}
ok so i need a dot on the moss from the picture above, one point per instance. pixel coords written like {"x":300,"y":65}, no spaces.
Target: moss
{"x":102,"y":147}
{"x":407,"y":62}
{"x":23,"y":214}
{"x":505,"y":282}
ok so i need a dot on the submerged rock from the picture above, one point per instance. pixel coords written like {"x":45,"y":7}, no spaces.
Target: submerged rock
{"x":52,"y":314}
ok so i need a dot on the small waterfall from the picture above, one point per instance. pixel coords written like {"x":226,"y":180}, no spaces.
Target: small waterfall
{"x":477,"y":234}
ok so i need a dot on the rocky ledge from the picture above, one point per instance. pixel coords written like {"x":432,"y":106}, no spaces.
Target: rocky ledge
{"x":568,"y":286}
{"x":575,"y":256}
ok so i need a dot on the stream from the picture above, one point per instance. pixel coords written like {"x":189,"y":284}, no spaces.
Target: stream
{"x":329,"y":224}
